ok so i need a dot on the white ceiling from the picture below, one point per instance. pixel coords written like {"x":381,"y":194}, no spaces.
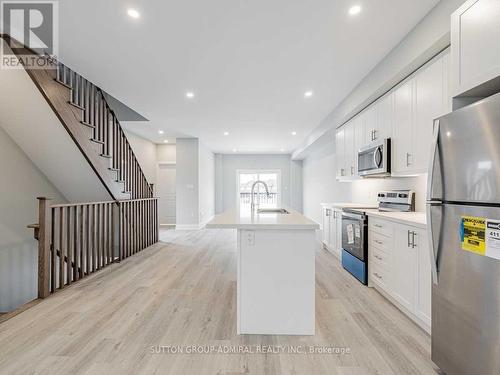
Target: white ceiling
{"x":248,"y":62}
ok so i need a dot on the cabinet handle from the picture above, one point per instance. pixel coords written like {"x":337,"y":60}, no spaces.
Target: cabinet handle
{"x":377,"y":225}
{"x":409,"y":241}
{"x":352,"y":171}
{"x":377,"y":275}
{"x":375,"y":134}
{"x":379,"y":258}
{"x":408,"y":156}
{"x":413,"y":236}
{"x":379,"y":242}
{"x":342,"y":171}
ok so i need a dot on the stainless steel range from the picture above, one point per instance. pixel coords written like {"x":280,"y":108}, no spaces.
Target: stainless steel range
{"x":396,"y":200}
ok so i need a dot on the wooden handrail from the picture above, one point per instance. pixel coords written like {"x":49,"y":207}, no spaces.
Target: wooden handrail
{"x":78,"y":239}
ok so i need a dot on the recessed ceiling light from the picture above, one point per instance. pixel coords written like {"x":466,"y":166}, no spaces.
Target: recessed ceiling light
{"x":160,"y":132}
{"x":165,"y":141}
{"x":294,"y":133}
{"x":226,"y":133}
{"x":355,"y":9}
{"x":282,"y":150}
{"x":308,"y":94}
{"x":190,"y":95}
{"x":234,"y":150}
{"x":133,"y":13}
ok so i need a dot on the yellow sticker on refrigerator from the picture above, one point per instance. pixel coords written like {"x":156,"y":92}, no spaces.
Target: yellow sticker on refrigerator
{"x":473,"y":234}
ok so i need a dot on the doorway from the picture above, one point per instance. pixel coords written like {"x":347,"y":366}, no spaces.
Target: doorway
{"x":165,"y":190}
{"x":245,"y":180}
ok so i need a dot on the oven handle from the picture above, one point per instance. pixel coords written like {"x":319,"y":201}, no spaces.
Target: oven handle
{"x":353,"y":216}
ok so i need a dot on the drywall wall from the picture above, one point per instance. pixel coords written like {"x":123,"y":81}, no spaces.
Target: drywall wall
{"x":20,"y":184}
{"x":187,"y":183}
{"x":426,"y":39}
{"x":165,"y":153}
{"x":227,"y":166}
{"x":145,"y":152}
{"x":206,"y":178}
{"x":319,"y":183}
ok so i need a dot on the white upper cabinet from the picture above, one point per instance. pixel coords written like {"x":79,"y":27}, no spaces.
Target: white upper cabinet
{"x":417,"y":103}
{"x":350,"y":158}
{"x":385,"y":115}
{"x":406,"y":115}
{"x":430,"y":104}
{"x":402,"y":143}
{"x":475,"y":32}
{"x":370,"y":126}
{"x":340,"y":152}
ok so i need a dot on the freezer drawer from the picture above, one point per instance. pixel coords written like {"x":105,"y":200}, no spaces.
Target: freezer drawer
{"x":466,"y":298}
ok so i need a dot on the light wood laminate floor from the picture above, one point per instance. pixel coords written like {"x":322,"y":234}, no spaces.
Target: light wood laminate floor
{"x":183,"y":292}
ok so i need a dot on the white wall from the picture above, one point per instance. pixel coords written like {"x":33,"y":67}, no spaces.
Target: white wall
{"x":187,"y":193}
{"x":166,"y":153}
{"x":319,"y":182}
{"x":20,"y":184}
{"x":145,"y":152}
{"x":206,"y":176}
{"x":227,"y":166}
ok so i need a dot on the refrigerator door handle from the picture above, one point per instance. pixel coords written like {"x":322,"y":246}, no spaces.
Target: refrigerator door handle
{"x":434,"y":250}
{"x":432,"y":160}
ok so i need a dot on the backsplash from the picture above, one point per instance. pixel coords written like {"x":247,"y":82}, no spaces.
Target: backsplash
{"x":365,"y":190}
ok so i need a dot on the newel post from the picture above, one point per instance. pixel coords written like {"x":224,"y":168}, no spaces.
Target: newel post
{"x":44,"y":222}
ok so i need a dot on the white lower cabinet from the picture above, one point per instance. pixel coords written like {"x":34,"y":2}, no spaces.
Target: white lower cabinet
{"x":332,"y":229}
{"x":399,"y":266}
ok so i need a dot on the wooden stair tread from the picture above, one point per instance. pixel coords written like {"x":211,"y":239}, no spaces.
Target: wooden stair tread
{"x":87,"y":124}
{"x":76,"y":105}
{"x":62,"y":83}
{"x":97,"y":141}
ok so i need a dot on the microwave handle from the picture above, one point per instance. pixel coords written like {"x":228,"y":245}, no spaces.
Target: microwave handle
{"x":377,"y":152}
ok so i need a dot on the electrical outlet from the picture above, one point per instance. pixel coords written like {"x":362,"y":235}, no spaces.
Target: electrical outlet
{"x":250,"y":237}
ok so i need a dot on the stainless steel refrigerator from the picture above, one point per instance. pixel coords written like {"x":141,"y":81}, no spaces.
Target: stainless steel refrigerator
{"x":463,"y":215}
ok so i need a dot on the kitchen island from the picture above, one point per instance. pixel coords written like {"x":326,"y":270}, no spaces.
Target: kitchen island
{"x":276,"y":271}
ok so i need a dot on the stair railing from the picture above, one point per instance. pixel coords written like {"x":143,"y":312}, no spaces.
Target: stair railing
{"x":76,"y":240}
{"x":107,"y":131}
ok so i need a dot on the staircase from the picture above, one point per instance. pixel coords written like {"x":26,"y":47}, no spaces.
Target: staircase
{"x":76,"y":240}
{"x":84,"y":112}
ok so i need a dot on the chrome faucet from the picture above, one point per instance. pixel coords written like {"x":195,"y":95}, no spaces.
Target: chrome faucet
{"x":252,"y":205}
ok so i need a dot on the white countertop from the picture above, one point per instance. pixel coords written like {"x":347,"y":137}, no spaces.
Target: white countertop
{"x":245,"y":220}
{"x":411,"y":218}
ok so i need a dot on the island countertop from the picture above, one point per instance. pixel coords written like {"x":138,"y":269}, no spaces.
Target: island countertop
{"x":245,"y":220}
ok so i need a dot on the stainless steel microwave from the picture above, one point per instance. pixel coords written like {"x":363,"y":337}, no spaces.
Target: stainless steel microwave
{"x":374,"y":160}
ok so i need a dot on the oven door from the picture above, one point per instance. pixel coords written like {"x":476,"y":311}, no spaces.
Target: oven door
{"x":374,"y":160}
{"x":354,"y":230}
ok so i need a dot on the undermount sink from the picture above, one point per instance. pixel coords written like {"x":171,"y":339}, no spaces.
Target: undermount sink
{"x":280,"y":211}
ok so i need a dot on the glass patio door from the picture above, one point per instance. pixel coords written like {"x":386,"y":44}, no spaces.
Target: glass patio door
{"x":245,"y":181}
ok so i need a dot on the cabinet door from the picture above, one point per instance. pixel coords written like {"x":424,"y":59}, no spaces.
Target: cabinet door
{"x":385,"y":113}
{"x":333,"y":232}
{"x":326,"y":226}
{"x":474,"y":41}
{"x":359,"y":140}
{"x":424,"y":277}
{"x":402,"y":128}
{"x":340,"y":152}
{"x":349,"y":150}
{"x":403,"y":265}
{"x":338,"y":232}
{"x":429,"y":105}
{"x":370,"y":123}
